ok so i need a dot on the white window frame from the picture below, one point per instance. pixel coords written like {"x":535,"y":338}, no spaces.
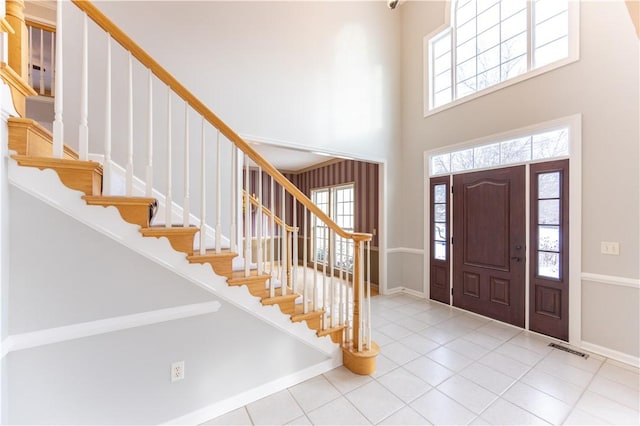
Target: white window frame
{"x":332,"y":240}
{"x":573,"y":56}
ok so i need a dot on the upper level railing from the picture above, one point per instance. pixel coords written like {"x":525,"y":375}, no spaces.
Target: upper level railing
{"x":221,"y":166}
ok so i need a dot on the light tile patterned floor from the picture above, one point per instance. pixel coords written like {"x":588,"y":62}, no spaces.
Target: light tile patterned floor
{"x":439,"y":365}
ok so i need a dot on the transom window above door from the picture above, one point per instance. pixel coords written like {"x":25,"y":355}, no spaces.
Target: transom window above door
{"x":545,"y":145}
{"x":492,"y":43}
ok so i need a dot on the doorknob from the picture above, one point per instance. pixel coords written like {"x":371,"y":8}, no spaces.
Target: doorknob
{"x":518,"y":247}
{"x":516,"y":258}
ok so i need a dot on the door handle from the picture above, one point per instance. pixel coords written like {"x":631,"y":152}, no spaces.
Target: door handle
{"x":516,"y":258}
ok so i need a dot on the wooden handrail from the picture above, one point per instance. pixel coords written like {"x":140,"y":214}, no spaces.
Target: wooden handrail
{"x":40,"y":25}
{"x":163,"y":75}
{"x":253,"y":200}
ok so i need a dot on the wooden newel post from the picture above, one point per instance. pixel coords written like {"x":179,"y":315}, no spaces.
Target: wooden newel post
{"x":357,"y":357}
{"x":17,"y":73}
{"x":18,"y":41}
{"x":357,"y":283}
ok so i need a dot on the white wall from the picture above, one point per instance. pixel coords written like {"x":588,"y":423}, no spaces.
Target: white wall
{"x":602,"y":86}
{"x":64,"y":273}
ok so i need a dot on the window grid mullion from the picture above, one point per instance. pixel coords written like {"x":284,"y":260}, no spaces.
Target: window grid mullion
{"x":530,"y":35}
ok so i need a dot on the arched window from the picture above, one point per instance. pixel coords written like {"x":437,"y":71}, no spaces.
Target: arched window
{"x":490,"y":42}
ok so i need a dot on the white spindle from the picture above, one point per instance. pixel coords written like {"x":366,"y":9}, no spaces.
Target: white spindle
{"x":83,"y":137}
{"x":259,"y":224}
{"x":368,"y":294}
{"x":343,"y":286}
{"x":53,"y":68}
{"x":247,"y":218}
{"x":129,"y":176}
{"x":294,"y":246}
{"x":234,"y":198}
{"x":203,"y":191}
{"x":305,"y":295}
{"x":106,"y":167}
{"x":325,"y":250}
{"x":186,"y":208}
{"x":272,"y":247}
{"x":41,"y":62}
{"x":332,"y":286}
{"x":30,"y":58}
{"x":283,"y":245}
{"x":168,"y":200}
{"x":58,"y":127}
{"x":149,"y":171}
{"x":314,"y":254}
{"x":218,"y":196}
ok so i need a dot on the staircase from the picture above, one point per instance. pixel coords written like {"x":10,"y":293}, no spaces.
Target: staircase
{"x":266,"y":212}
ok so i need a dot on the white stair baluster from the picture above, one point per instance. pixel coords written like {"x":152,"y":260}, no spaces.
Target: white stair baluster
{"x":53,"y":67}
{"x":58,"y":126}
{"x":149,"y":171}
{"x":218,"y":196}
{"x":41,"y":91}
{"x":234,"y":199}
{"x":283,"y":245}
{"x":305,"y":293}
{"x":186,"y":208}
{"x":325,"y":295}
{"x":247,"y":218}
{"x":83,"y":137}
{"x":169,"y":201}
{"x":332,"y":286}
{"x":259,"y":224}
{"x":203,"y":190}
{"x":272,"y":242}
{"x":294,"y":246}
{"x":129,"y":176}
{"x":106,"y":167}
{"x":314,"y":255}
{"x":30,"y":58}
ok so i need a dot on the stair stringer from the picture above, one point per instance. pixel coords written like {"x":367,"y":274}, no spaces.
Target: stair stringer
{"x":47,"y":187}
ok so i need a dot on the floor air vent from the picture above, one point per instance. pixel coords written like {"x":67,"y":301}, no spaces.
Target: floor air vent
{"x":571,"y":351}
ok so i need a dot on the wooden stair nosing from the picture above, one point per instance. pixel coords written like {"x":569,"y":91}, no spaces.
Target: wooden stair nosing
{"x":180,"y":237}
{"x":79,"y":175}
{"x":136,"y":210}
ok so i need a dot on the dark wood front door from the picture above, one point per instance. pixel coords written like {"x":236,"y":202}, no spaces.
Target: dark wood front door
{"x":489,"y":243}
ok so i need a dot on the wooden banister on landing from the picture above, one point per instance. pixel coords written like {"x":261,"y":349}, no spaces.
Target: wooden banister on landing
{"x":254,"y":201}
{"x":163,"y":75}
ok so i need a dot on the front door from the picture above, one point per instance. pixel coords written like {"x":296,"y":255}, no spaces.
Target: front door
{"x":489,"y":243}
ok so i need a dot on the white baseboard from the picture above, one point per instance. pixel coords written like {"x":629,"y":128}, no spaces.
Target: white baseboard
{"x":405,"y":290}
{"x":17,"y":342}
{"x":611,"y":353}
{"x":219,"y":408}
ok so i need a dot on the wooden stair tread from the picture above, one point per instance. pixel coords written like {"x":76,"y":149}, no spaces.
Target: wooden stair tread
{"x":118,"y":199}
{"x":265,"y":297}
{"x":211,"y":253}
{"x":154,"y":230}
{"x":329,"y":331}
{"x":79,"y":175}
{"x":237,"y":277}
{"x":49,"y":162}
{"x":299,"y":314}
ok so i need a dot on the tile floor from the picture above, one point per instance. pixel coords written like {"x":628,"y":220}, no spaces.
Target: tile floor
{"x":439,"y":365}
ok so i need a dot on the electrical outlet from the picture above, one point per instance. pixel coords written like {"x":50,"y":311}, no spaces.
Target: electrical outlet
{"x":177,"y":371}
{"x":611,"y":248}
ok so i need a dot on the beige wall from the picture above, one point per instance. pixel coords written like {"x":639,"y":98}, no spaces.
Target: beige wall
{"x":602,"y":86}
